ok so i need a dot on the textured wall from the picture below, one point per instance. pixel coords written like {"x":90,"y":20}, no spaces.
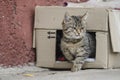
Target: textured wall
{"x":16,"y":24}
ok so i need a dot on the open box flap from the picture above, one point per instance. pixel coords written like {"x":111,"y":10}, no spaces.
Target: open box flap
{"x":114,"y":24}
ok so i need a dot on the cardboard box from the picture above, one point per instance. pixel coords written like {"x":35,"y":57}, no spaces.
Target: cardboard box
{"x":49,"y":19}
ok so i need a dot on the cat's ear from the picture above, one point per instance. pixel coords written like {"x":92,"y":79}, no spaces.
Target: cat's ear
{"x":84,"y":17}
{"x":67,"y":17}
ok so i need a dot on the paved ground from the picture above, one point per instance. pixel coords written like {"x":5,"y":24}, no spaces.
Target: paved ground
{"x":35,"y":73}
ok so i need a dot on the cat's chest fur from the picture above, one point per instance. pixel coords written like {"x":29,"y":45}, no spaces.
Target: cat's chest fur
{"x":72,"y":44}
{"x":74,"y":47}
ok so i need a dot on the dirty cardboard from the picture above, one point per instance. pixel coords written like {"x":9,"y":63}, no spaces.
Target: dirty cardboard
{"x":50,"y":19}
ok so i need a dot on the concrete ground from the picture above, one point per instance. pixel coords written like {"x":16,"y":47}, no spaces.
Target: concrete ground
{"x":36,"y":73}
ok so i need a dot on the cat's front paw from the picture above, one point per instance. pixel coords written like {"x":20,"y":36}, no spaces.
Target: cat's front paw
{"x":77,"y":64}
{"x":76,"y":67}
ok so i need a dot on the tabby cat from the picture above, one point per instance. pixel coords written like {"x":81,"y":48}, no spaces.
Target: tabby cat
{"x":76,"y":43}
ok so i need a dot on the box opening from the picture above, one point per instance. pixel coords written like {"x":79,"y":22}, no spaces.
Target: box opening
{"x":60,"y":56}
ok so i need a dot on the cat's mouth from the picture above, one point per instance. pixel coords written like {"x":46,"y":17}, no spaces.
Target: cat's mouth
{"x":77,"y":34}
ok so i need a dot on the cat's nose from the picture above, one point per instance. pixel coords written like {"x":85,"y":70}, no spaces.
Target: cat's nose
{"x":78,"y":31}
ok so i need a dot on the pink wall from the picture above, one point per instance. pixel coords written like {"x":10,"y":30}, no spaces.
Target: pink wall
{"x":16,"y":24}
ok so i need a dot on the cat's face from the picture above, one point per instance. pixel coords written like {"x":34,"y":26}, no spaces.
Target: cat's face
{"x":74,"y":26}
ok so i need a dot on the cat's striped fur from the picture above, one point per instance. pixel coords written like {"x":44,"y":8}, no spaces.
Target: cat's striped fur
{"x":76,"y":44}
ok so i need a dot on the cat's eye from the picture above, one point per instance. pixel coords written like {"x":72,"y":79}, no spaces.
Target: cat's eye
{"x":74,"y":28}
{"x":70,"y":19}
{"x":82,"y":27}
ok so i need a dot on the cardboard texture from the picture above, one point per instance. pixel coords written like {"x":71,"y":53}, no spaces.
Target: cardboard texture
{"x":114,"y":19}
{"x":49,"y":19}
